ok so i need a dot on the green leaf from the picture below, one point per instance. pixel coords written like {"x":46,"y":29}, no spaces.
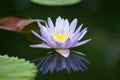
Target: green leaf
{"x":12,"y":68}
{"x":56,"y":2}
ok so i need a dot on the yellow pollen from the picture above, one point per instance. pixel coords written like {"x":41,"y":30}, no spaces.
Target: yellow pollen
{"x":60,"y":37}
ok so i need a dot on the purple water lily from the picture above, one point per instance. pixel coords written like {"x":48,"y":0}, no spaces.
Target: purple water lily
{"x":62,"y":36}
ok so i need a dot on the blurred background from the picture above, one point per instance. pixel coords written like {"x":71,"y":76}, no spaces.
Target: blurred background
{"x":102,"y":17}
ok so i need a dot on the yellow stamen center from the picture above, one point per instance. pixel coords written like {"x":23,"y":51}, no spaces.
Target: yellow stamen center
{"x":60,"y":37}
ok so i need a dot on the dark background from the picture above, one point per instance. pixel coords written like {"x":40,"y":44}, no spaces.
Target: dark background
{"x":102,"y":17}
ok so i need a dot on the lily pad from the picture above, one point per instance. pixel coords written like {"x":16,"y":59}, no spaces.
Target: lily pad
{"x":16,"y":24}
{"x":12,"y":68}
{"x":10,"y":23}
{"x":56,"y":2}
{"x":20,"y":25}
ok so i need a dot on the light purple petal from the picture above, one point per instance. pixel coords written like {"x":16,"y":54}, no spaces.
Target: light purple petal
{"x":51,"y":42}
{"x":66,"y":43}
{"x":58,"y":21}
{"x":80,"y":34}
{"x":78,"y":30}
{"x":83,"y":32}
{"x":50,"y":23}
{"x":43,"y":29}
{"x":74,"y":39}
{"x":58,"y":44}
{"x":45,"y":34}
{"x":40,"y":46}
{"x":66,"y":26}
{"x":73,"y":25}
{"x":73,"y":43}
{"x":40,"y":25}
{"x":47,"y":27}
{"x":37,"y":35}
{"x":82,"y":42}
{"x":63,"y":52}
{"x":59,"y":24}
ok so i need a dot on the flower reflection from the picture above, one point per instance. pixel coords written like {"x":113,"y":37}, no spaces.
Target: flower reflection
{"x":56,"y":62}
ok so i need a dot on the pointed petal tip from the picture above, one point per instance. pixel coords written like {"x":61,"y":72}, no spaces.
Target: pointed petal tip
{"x":31,"y":46}
{"x":85,"y":28}
{"x":40,"y":46}
{"x":64,"y":52}
{"x":75,"y":20}
{"x":89,"y":39}
{"x":86,"y":41}
{"x":80,"y":53}
{"x":35,"y":33}
{"x":39,"y":25}
{"x":32,"y":31}
{"x":49,"y":18}
{"x":82,"y":24}
{"x":59,"y":17}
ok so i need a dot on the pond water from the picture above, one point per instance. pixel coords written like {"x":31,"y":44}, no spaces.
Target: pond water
{"x":101,"y":18}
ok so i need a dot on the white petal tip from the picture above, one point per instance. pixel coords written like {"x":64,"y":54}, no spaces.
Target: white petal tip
{"x":75,"y":19}
{"x":89,"y":39}
{"x":48,"y":18}
{"x":31,"y":46}
{"x":59,"y":17}
{"x":82,"y":24}
{"x":64,"y":52}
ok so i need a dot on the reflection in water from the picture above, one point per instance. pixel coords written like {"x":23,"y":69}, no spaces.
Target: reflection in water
{"x":56,"y":62}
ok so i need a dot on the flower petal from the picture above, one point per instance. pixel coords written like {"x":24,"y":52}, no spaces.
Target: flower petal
{"x":63,"y":52}
{"x":50,"y":23}
{"x":37,"y":35}
{"x":66,"y":43}
{"x":80,"y":53}
{"x":83,"y":32}
{"x":45,"y":33}
{"x":66,"y":26}
{"x":78,"y":29}
{"x":73,"y":25}
{"x":82,"y":42}
{"x":43,"y":29}
{"x":40,"y":46}
{"x":59,"y":25}
{"x":58,"y":22}
{"x":58,"y":44}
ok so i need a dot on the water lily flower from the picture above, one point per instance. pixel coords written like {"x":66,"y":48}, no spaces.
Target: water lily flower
{"x":62,"y":36}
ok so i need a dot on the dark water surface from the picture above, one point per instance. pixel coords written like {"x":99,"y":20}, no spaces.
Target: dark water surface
{"x":102,"y":17}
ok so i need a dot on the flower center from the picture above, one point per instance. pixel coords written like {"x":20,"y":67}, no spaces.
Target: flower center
{"x":60,"y":37}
